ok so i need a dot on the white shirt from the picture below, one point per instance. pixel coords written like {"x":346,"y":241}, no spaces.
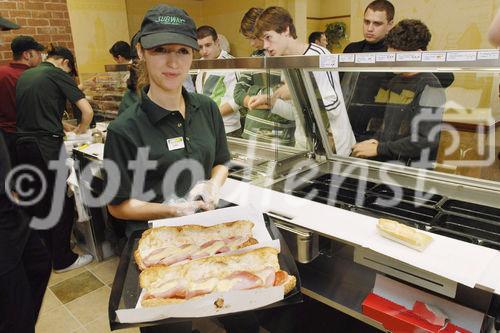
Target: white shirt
{"x":333,"y":101}
{"x":212,"y":84}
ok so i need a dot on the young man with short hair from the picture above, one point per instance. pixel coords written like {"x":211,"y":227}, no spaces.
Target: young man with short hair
{"x":26,"y":53}
{"x":378,"y":20}
{"x":259,"y":124}
{"x":41,"y":95}
{"x":319,"y":38}
{"x":218,"y":86}
{"x":121,"y":52}
{"x":414,"y":107}
{"x":275,"y":26}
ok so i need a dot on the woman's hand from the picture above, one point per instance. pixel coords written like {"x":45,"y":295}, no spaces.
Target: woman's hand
{"x":188,"y":208}
{"x":207,"y":191}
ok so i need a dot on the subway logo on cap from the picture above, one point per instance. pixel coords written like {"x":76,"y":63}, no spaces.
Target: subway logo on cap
{"x":173,"y":20}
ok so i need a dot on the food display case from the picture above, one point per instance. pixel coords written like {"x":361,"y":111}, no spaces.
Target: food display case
{"x":454,"y":196}
{"x":326,"y":205}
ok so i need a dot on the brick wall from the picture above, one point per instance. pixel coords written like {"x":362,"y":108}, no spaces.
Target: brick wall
{"x":47,"y":21}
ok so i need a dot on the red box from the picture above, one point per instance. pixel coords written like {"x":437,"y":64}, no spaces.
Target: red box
{"x":399,"y":319}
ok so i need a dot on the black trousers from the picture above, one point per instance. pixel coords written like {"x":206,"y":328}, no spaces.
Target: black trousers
{"x":10,"y":141}
{"x":58,"y":238}
{"x":22,"y":289}
{"x":38,"y":152}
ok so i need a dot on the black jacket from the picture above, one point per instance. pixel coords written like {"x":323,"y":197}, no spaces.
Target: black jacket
{"x":363,"y":46}
{"x":14,"y":230}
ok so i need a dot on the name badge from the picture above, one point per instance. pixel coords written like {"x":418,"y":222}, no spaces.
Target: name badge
{"x":175,"y":143}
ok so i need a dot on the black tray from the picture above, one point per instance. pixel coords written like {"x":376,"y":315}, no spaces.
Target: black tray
{"x":409,"y":196}
{"x":471,"y":209}
{"x":125,"y":291}
{"x":480,"y":229}
{"x":416,"y":211}
{"x":346,"y":190}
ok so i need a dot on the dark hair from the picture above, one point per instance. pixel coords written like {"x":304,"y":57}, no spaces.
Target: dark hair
{"x":60,"y":52}
{"x":409,"y":35}
{"x":120,"y":48}
{"x":247,"y":25}
{"x":205,"y":31}
{"x":314,"y":36}
{"x":275,"y":19}
{"x":382,"y":6}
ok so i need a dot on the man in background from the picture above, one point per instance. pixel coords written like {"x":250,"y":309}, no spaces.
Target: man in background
{"x":218,"y":86}
{"x":414,"y":107}
{"x":121,"y":52}
{"x":378,"y":20}
{"x":319,"y":38}
{"x":259,"y":123}
{"x":26,"y":53}
{"x":41,"y":95}
{"x":275,"y":26}
{"x":24,"y":260}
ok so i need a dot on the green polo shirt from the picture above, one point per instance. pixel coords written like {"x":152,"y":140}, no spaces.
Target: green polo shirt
{"x":146,"y":124}
{"x":41,"y":94}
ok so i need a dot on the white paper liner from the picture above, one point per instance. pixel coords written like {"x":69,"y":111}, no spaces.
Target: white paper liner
{"x":234,"y":301}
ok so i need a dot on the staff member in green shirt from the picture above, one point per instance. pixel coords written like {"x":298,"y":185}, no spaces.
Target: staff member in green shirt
{"x":41,"y":94}
{"x":177,"y":137}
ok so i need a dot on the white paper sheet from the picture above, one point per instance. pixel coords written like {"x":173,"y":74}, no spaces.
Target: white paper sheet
{"x":339,"y":223}
{"x":490,"y":278}
{"x":450,"y":258}
{"x":234,"y":301}
{"x":263,"y":199}
{"x":95,"y":149}
{"x":406,"y":296}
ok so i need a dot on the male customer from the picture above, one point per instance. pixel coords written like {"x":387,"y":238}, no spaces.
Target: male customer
{"x":414,"y":106}
{"x":24,"y":260}
{"x":377,"y":21}
{"x":319,"y":38}
{"x":275,"y":26}
{"x":41,"y":95}
{"x":259,"y":123}
{"x":26,"y":53}
{"x":218,"y":86}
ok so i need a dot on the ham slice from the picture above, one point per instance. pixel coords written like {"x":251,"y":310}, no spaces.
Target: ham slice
{"x":243,"y":280}
{"x":163,"y":254}
{"x":179,"y":291}
{"x":174,"y":259}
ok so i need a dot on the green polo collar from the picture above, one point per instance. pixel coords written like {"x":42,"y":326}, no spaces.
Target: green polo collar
{"x":156,"y":113}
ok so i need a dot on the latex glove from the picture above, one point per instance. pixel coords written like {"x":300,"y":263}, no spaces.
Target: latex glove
{"x":207,"y":191}
{"x":188,"y":207}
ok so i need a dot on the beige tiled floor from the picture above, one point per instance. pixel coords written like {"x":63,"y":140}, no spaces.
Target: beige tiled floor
{"x":77,"y":301}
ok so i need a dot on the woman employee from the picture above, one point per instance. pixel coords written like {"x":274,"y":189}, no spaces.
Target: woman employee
{"x":181,"y":134}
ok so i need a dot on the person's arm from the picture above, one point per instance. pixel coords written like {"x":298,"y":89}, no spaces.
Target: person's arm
{"x":226,"y":109}
{"x":227,"y":104}
{"x":494,"y":32}
{"x":219,"y":174}
{"x":329,"y":88}
{"x":133,"y":209}
{"x":68,"y":127}
{"x":87,"y":115}
{"x":241,"y":88}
